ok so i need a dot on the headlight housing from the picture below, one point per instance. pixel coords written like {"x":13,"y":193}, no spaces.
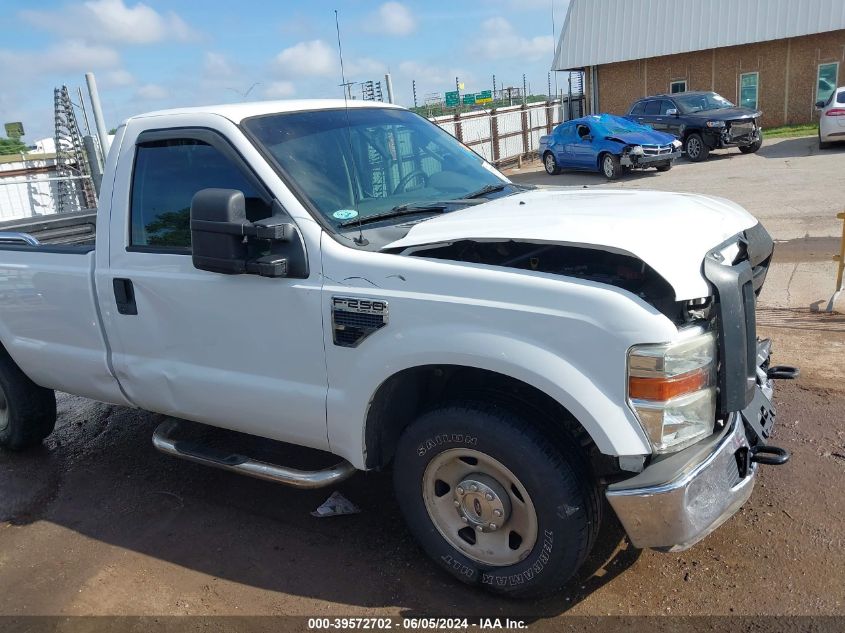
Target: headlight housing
{"x":677,"y":144}
{"x":672,"y":389}
{"x":715,"y":124}
{"x":637,"y":150}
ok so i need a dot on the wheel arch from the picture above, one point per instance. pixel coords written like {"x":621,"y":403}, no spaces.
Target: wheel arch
{"x":408,"y":393}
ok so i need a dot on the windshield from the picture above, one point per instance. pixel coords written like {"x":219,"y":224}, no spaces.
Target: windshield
{"x":368,"y":161}
{"x":701,"y":102}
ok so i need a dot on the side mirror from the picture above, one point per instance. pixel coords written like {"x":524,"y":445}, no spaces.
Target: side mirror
{"x":672,"y":112}
{"x":820,"y":104}
{"x":224,"y":241}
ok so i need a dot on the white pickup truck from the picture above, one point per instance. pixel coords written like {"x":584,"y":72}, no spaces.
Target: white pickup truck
{"x":350,"y":278}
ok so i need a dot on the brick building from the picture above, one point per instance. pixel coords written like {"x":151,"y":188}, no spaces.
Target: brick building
{"x":777,"y":55}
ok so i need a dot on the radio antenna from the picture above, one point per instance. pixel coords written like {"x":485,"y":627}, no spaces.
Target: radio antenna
{"x":360,"y":240}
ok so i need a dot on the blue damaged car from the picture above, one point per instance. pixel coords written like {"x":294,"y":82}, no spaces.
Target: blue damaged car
{"x":607,"y":144}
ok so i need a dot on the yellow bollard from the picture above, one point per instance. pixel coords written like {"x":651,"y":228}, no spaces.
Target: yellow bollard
{"x":841,"y":257}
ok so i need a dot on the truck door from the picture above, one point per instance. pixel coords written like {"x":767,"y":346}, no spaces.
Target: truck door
{"x":236,"y":351}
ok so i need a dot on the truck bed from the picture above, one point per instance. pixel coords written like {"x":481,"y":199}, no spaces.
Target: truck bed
{"x":62,"y":229}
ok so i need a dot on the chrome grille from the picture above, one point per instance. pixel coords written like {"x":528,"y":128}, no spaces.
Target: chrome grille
{"x":657,"y":150}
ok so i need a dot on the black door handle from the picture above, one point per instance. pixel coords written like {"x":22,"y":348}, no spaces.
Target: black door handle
{"x":124,"y":295}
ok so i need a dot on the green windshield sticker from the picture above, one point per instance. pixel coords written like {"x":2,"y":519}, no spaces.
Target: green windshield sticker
{"x":345,"y":214}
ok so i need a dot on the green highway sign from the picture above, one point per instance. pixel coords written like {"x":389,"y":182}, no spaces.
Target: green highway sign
{"x":452,"y":99}
{"x":485,"y":96}
{"x":469,"y":99}
{"x":14,"y":130}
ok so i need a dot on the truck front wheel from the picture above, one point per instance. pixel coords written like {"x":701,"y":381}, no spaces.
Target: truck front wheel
{"x":493,"y":501}
{"x":27,"y":411}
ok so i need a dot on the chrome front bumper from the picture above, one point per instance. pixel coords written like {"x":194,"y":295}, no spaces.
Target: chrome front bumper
{"x":677,"y":501}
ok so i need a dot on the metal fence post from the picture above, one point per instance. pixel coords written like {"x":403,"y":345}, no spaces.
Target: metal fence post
{"x":525,"y":132}
{"x":459,"y":133}
{"x":494,"y":135}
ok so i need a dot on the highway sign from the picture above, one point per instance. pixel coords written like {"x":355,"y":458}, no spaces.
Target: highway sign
{"x":469,"y":99}
{"x":452,"y":99}
{"x":485,"y":96}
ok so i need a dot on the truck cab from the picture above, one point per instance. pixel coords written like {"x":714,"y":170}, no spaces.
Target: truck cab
{"x":348,"y":277}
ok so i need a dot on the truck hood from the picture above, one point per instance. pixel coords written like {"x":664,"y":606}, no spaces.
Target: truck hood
{"x":671,"y":232}
{"x":726,"y":114}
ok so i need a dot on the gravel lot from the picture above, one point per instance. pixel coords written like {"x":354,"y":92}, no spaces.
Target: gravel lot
{"x":97,"y":522}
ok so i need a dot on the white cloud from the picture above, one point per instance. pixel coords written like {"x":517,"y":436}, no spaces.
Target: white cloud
{"x":393,"y":18}
{"x":116,"y":78}
{"x":217,"y":66}
{"x":111,"y":21}
{"x":279,"y":90}
{"x":498,"y":39}
{"x":68,"y":56}
{"x":314,"y":57}
{"x":152,"y":92}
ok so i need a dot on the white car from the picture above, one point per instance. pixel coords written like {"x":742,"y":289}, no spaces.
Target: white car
{"x":832,"y":118}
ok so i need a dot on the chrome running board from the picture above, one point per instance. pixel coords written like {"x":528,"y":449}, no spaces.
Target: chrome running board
{"x":216,"y":458}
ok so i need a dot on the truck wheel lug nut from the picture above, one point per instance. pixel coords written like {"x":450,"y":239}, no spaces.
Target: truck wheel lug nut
{"x":479,"y":528}
{"x":474,"y":488}
{"x":489,"y":497}
{"x":457,"y":503}
{"x":493,"y":526}
{"x":460,"y":490}
{"x":497,"y":512}
{"x":465,"y":520}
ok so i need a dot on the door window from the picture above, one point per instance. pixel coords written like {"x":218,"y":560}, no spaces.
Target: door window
{"x":748,"y":90}
{"x":678,"y":85}
{"x":166,"y":176}
{"x":827,"y":77}
{"x":665,"y":106}
{"x":583,"y":131}
{"x":652,"y":108}
{"x":639,"y":108}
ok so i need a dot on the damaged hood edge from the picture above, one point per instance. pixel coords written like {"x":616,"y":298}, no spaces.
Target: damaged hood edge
{"x":671,"y":232}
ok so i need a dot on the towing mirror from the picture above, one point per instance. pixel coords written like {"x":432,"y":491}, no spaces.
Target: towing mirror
{"x":224,"y":241}
{"x":820,"y":104}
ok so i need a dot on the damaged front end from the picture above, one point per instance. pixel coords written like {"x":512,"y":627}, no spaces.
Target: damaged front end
{"x":578,"y":262}
{"x":642,"y":156}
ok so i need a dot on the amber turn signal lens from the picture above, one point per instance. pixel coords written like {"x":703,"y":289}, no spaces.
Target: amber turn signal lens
{"x":663,"y":389}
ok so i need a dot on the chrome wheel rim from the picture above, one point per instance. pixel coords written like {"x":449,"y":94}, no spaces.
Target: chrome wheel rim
{"x":550,"y":163}
{"x":480,"y":507}
{"x":4,"y":410}
{"x":608,"y":166}
{"x":693,"y":148}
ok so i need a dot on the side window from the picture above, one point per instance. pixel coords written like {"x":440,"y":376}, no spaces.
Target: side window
{"x":678,"y":85}
{"x":652,"y":107}
{"x":840,"y":98}
{"x":166,"y":176}
{"x":583,"y":131}
{"x":826,"y":80}
{"x":748,"y":83}
{"x":665,"y":106}
{"x":639,"y":108}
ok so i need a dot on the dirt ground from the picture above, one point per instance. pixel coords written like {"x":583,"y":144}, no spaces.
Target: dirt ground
{"x":98,"y":523}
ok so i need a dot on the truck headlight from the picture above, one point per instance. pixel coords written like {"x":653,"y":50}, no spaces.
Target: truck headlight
{"x":677,"y":144}
{"x":637,"y":150}
{"x":672,"y":389}
{"x":715,"y":124}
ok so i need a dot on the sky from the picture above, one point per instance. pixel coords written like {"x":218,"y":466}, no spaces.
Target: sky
{"x":159,"y":54}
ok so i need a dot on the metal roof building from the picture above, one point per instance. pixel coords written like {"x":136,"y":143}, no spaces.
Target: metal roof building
{"x":600,"y":34}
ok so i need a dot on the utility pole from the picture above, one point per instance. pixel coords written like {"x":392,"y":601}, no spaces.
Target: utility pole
{"x":97,"y":109}
{"x":494,"y":88}
{"x":414,"y":87}
{"x":458,"y":88}
{"x":388,"y":82}
{"x":524,"y":90}
{"x":550,"y":86}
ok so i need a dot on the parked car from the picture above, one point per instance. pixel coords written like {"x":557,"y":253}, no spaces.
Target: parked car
{"x":703,"y":121}
{"x":515,"y":356}
{"x":832,"y":119}
{"x":608,"y":144}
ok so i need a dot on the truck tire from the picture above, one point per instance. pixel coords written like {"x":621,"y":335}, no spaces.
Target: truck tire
{"x":695,"y":147}
{"x":610,"y":166}
{"x":27,"y":411}
{"x":664,"y":166}
{"x":550,"y":163}
{"x":460,"y":468}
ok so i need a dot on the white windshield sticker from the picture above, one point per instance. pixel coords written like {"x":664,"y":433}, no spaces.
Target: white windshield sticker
{"x":345,"y":214}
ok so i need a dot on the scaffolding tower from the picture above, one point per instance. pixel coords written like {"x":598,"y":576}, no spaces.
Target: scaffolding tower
{"x":75,"y":187}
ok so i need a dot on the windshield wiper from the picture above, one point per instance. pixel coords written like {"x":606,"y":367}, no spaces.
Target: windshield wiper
{"x":492,"y":188}
{"x":395,"y":212}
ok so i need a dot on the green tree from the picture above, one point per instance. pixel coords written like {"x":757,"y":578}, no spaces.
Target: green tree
{"x":11,"y":146}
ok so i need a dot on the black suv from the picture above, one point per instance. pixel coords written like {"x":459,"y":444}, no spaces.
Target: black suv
{"x":702,"y":120}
